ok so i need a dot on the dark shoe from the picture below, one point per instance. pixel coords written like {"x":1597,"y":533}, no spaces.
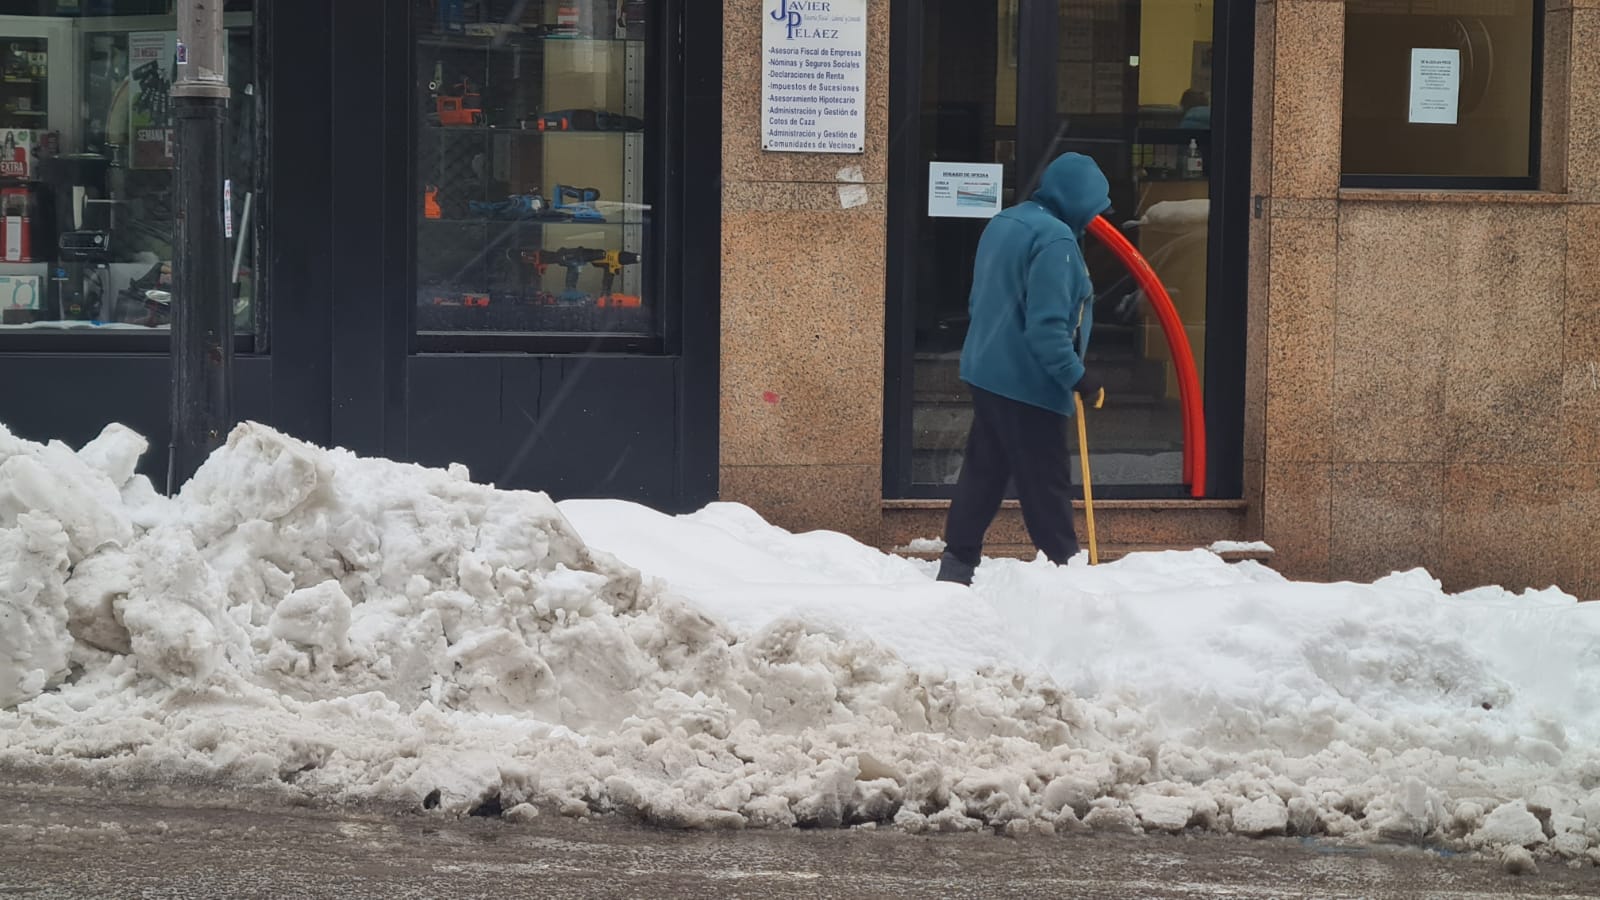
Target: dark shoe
{"x":952,"y":569}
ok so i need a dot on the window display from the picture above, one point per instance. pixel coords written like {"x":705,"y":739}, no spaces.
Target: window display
{"x":1444,"y":90}
{"x":531,"y":202}
{"x":86,"y":168}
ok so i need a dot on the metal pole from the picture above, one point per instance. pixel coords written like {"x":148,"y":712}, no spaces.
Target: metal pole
{"x":202,"y":304}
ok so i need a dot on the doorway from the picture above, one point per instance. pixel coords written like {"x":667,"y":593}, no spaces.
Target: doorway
{"x":1158,"y":93}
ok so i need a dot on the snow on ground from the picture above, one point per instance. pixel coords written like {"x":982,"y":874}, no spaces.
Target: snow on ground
{"x":352,"y":628}
{"x":1240,"y":547}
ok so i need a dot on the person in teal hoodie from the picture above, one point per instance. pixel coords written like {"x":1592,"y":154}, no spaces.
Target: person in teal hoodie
{"x":1023,"y":359}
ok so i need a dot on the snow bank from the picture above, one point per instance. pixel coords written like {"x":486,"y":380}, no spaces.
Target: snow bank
{"x":353,"y":628}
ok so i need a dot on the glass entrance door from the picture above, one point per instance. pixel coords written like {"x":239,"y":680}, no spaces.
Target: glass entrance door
{"x":1138,"y":86}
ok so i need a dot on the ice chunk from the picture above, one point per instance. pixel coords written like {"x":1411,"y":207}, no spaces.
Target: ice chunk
{"x":97,"y":583}
{"x":115,"y":453}
{"x":56,"y":483}
{"x":1510,"y":825}
{"x":1262,"y":816}
{"x":315,"y":617}
{"x":34,"y":642}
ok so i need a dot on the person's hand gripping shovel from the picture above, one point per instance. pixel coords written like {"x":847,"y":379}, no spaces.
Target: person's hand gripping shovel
{"x":1093,"y":389}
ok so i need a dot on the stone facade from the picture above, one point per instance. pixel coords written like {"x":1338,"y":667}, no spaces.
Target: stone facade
{"x":1423,"y":373}
{"x":1423,"y":365}
{"x":802,"y":303}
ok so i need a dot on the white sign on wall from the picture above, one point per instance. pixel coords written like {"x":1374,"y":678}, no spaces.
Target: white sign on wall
{"x":814,"y":76}
{"x":1435,"y":86}
{"x":964,"y":190}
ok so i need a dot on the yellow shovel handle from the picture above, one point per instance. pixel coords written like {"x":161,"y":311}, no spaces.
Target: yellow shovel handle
{"x":1083,"y":458}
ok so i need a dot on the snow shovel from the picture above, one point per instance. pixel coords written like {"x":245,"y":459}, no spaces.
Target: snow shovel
{"x":1083,"y":458}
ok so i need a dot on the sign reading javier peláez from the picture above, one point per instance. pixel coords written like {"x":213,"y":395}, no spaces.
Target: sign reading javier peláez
{"x":814,"y":76}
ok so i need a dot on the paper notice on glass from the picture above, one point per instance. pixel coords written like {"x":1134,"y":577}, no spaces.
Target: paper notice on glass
{"x":1435,"y":86}
{"x":964,"y":190}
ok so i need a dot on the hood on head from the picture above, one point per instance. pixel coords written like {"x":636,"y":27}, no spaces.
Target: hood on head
{"x":1074,"y":190}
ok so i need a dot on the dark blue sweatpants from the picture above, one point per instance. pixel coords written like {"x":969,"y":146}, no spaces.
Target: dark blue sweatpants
{"x":1011,"y":440}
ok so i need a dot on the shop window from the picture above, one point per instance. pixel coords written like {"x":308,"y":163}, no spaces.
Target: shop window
{"x":532,"y":207}
{"x":86,"y":164}
{"x":1133,"y":90}
{"x":1442,"y":92}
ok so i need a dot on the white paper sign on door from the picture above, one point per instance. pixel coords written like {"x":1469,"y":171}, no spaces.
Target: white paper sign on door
{"x":964,"y":190}
{"x":1435,"y":86}
{"x":814,"y":76}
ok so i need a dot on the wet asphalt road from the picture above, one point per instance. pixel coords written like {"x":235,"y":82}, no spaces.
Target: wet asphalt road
{"x":66,"y":841}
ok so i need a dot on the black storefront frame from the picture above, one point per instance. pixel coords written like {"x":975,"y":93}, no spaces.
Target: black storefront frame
{"x":1227,"y":252}
{"x":336,"y":361}
{"x":378,"y":356}
{"x":664,"y":115}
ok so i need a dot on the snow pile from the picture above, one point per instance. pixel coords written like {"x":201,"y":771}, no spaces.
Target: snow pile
{"x":352,"y":628}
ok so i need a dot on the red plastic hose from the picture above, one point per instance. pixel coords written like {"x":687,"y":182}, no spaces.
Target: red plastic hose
{"x":1194,"y":417}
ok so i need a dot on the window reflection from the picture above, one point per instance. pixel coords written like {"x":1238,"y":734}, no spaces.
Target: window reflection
{"x":87,"y":222}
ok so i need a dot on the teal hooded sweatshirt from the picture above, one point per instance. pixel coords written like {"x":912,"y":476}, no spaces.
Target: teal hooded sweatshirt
{"x":1030,"y":290}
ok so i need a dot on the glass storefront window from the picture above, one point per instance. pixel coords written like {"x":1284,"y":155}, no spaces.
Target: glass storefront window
{"x":531,"y":202}
{"x":1440,"y":89}
{"x":1134,"y":91}
{"x":86,"y":163}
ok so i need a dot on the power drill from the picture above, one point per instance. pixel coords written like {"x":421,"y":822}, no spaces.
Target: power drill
{"x":612,"y":263}
{"x":535,"y":260}
{"x":573,"y":259}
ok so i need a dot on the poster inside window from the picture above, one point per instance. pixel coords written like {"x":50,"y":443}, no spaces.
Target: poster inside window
{"x":531,"y":198}
{"x":87,"y":222}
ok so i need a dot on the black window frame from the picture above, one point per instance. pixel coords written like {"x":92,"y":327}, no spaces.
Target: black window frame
{"x":1228,"y":250}
{"x":1529,"y":182}
{"x":159,"y":340}
{"x":664,"y":149}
